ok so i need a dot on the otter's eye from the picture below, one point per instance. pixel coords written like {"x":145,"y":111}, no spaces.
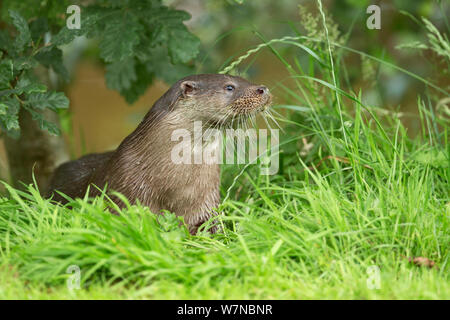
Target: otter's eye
{"x":229,"y":87}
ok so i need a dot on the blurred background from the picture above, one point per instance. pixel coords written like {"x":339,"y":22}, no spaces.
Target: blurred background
{"x":99,"y":118}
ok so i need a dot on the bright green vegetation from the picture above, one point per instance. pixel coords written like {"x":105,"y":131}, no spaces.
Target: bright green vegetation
{"x":378,"y":197}
{"x":302,"y":234}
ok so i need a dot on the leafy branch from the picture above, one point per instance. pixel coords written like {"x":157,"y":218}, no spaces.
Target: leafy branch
{"x":138,"y":41}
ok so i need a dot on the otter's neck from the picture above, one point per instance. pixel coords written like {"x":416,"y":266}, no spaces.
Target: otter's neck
{"x":169,"y":137}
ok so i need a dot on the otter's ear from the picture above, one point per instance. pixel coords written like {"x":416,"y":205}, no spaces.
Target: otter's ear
{"x":188,"y":88}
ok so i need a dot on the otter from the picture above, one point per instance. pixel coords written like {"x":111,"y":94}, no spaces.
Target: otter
{"x":141,"y":167}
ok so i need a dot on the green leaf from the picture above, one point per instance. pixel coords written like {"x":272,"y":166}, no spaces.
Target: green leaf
{"x":159,"y":36}
{"x":143,"y":79}
{"x":6,"y":73}
{"x":25,"y":85}
{"x":10,"y":105}
{"x":3,"y":109}
{"x":53,"y":59}
{"x":38,"y":28}
{"x":166,"y":26}
{"x":12,"y":123}
{"x":89,"y":22}
{"x":4,"y":93}
{"x":166,"y":16}
{"x":9,"y":115}
{"x":120,"y":75}
{"x":66,"y":35}
{"x":24,"y":36}
{"x":120,"y":3}
{"x":51,"y":99}
{"x":25,"y":63}
{"x":164,"y":69}
{"x":183,"y":45}
{"x":120,"y":36}
{"x":44,"y":124}
{"x":5,"y":41}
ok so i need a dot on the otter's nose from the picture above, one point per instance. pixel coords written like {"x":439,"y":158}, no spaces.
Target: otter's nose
{"x":262,"y":90}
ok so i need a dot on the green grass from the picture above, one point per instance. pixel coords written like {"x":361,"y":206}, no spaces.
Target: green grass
{"x":378,"y":197}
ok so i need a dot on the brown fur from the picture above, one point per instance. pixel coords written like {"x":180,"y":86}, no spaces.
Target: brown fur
{"x":141,"y":167}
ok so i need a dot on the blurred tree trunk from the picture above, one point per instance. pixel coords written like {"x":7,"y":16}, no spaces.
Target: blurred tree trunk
{"x":36,"y":151}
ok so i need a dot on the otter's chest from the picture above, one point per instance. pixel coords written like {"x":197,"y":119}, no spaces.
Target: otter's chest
{"x":191,"y":181}
{"x":193,"y":188}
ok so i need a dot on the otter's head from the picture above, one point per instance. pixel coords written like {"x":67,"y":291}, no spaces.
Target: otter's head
{"x":219,"y":99}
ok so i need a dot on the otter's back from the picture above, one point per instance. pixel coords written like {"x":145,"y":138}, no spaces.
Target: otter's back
{"x":72,"y":178}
